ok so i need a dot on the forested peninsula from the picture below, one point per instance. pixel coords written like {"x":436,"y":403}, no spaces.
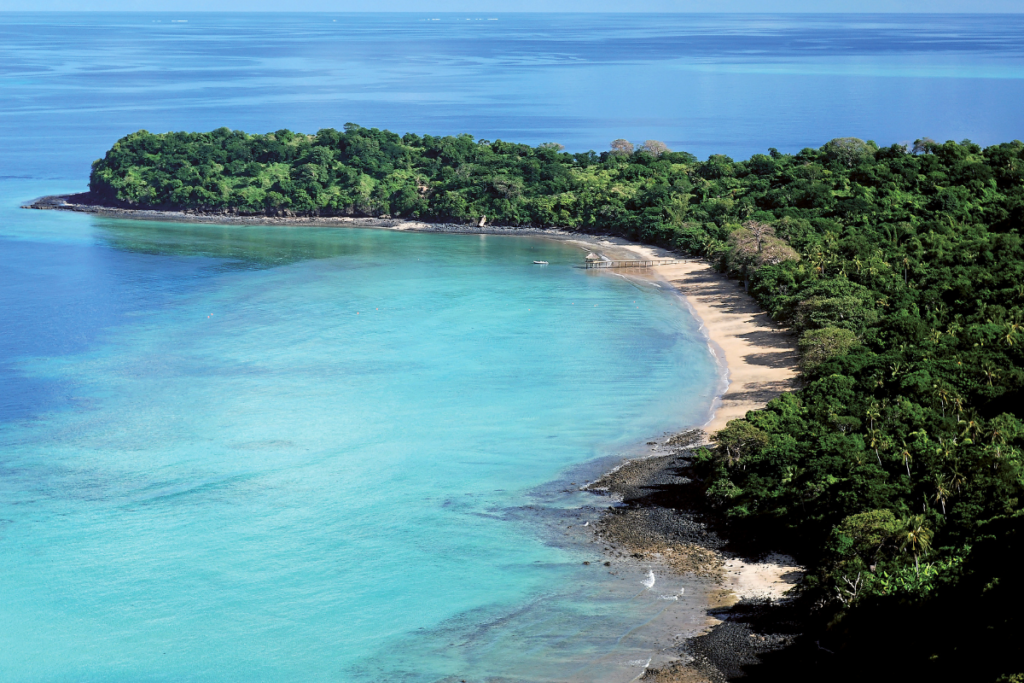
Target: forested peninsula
{"x":895,"y":474}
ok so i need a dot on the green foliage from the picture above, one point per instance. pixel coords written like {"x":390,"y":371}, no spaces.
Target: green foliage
{"x":754,"y":246}
{"x":953,"y":619}
{"x":821,"y":345}
{"x":370,"y":172}
{"x":849,"y":152}
{"x":864,"y":534}
{"x":918,"y":582}
{"x":739,"y":440}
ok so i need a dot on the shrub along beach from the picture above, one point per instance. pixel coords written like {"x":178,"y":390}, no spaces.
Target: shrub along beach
{"x":894,"y":474}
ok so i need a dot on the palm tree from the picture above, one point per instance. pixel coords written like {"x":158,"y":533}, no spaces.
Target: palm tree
{"x":917,"y":536}
{"x":998,"y":440}
{"x":873,"y":413}
{"x":943,"y":394}
{"x":907,"y":457}
{"x":1011,"y":333}
{"x":957,"y":480}
{"x":990,"y":372}
{"x":945,"y":450}
{"x":971,"y":427}
{"x":958,"y":402}
{"x":875,"y":443}
{"x":942,"y":492}
{"x":791,"y":474}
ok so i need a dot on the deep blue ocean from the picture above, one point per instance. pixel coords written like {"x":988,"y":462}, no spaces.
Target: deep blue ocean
{"x":236,"y":453}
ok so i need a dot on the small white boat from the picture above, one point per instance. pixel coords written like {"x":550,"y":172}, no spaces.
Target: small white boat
{"x":541,"y":263}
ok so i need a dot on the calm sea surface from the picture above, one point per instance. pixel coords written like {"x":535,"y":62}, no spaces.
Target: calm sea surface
{"x":291,"y":454}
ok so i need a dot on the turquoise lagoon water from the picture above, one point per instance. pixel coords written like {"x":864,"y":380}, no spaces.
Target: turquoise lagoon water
{"x":289,"y":454}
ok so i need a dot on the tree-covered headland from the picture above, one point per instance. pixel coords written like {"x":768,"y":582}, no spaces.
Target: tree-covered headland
{"x":895,"y":473}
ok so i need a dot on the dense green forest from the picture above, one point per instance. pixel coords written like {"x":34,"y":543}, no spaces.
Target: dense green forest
{"x":895,"y":473}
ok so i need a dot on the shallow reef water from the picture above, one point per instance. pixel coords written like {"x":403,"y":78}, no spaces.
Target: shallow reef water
{"x":238,"y":453}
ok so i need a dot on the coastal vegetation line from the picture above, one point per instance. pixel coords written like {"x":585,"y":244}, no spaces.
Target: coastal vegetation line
{"x":894,"y":474}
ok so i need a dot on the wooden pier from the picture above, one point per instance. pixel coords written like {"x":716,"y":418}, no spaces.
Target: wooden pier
{"x":630,"y":264}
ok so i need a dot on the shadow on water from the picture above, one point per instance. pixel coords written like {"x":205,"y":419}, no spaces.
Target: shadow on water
{"x":238,"y":247}
{"x":259,"y":247}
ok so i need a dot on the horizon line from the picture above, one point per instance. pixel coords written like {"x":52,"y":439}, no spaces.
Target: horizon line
{"x":477,"y":12}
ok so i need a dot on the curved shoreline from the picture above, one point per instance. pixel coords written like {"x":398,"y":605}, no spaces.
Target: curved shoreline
{"x":758,"y":360}
{"x":760,"y":357}
{"x":660,"y":521}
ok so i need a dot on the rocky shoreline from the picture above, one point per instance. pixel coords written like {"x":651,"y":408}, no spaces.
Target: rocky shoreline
{"x":659,"y":518}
